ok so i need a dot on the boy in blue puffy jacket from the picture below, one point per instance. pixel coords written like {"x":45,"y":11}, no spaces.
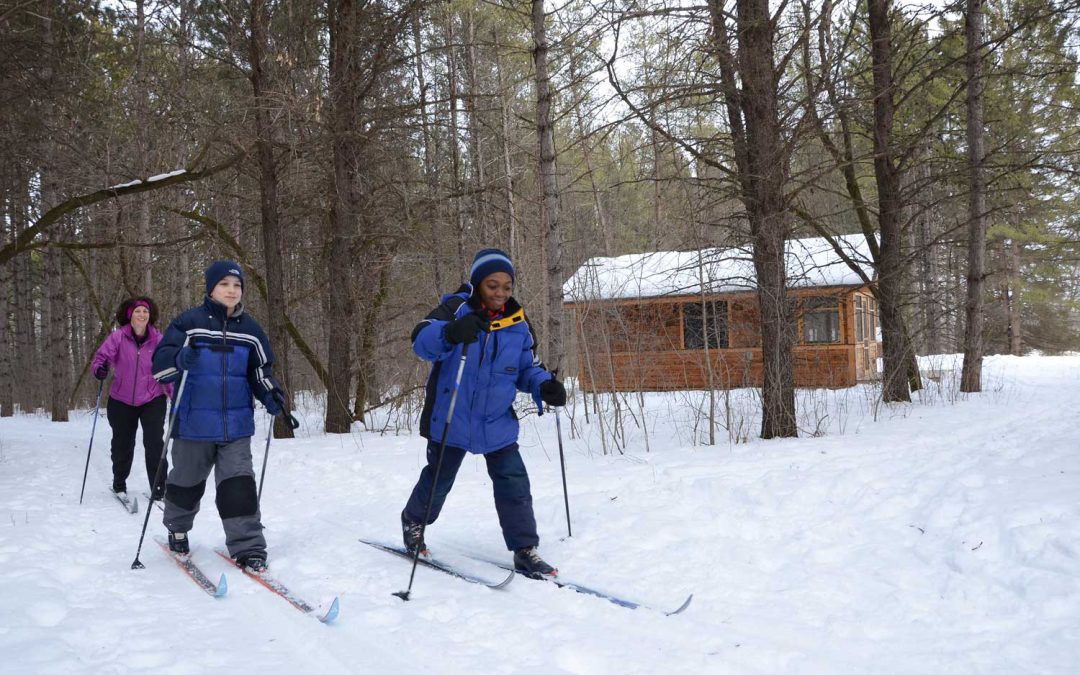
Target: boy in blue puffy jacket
{"x":228,"y":360}
{"x":485,"y":322}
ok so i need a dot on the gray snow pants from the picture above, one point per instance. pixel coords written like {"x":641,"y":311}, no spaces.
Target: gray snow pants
{"x":237,"y":497}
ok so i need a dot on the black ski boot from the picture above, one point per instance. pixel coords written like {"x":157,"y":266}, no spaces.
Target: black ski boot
{"x":120,"y":488}
{"x":178,"y":543}
{"x":413,"y":536}
{"x":528,"y":561}
{"x":252,"y":562}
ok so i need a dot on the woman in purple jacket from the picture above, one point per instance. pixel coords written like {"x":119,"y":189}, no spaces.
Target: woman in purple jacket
{"x":135,"y":396}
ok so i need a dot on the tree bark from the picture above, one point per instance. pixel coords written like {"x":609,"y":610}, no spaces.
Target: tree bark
{"x":145,"y":275}
{"x":27,"y":335}
{"x":430,"y":178}
{"x":344,"y":19}
{"x":971,"y":375}
{"x":761,"y":168}
{"x":7,"y":341}
{"x":261,"y":76}
{"x":896,"y":350}
{"x":455,"y":149}
{"x":552,"y":339}
{"x":1012,"y":301}
{"x":505,"y":100}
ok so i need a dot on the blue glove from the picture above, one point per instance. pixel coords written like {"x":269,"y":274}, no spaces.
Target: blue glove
{"x":275,"y":402}
{"x":186,"y":358}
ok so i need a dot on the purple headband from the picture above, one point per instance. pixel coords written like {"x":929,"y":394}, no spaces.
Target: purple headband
{"x":137,"y":303}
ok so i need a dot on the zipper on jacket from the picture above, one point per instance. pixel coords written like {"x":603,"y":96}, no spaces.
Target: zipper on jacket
{"x":134,"y":380}
{"x":472,"y":403}
{"x":225,"y":378}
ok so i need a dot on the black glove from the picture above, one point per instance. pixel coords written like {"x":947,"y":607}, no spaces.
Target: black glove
{"x":275,"y":403}
{"x":102,"y":371}
{"x":466,"y":329}
{"x":553,"y":392}
{"x":186,"y":358}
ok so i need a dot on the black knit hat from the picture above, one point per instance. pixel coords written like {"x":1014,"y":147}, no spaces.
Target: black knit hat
{"x":221,"y":269}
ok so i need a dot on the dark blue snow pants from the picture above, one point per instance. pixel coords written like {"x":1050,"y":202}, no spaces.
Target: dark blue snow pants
{"x":509,"y":481}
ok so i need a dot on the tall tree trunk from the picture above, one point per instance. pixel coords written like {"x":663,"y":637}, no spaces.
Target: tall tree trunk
{"x":769,"y":214}
{"x":261,"y":76}
{"x":27,"y":334}
{"x":971,"y":376}
{"x":145,"y":276}
{"x":455,"y":148}
{"x":552,"y":338}
{"x":762,"y":166}
{"x":344,"y":19}
{"x":7,"y":341}
{"x":1012,"y":298}
{"x":505,"y":101}
{"x":56,"y":338}
{"x":430,"y":177}
{"x":482,"y":216}
{"x":897,"y":351}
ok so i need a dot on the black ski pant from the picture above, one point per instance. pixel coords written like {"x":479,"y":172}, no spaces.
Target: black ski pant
{"x":125,"y":420}
{"x":509,"y":482}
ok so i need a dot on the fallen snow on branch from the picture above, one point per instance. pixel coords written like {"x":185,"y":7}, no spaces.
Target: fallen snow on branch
{"x":151,"y":179}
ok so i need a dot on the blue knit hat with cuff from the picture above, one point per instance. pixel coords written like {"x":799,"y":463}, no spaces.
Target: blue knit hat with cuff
{"x":221,"y":269}
{"x":487,"y":262}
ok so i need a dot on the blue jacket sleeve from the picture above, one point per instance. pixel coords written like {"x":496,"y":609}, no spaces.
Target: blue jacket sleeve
{"x":164,"y":360}
{"x":532,"y":372}
{"x":260,"y":368}
{"x":428,"y":338}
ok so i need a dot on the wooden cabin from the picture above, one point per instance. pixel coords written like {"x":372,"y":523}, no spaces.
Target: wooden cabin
{"x":690,"y":320}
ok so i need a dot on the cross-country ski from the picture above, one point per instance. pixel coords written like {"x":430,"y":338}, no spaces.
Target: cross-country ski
{"x":326,"y":612}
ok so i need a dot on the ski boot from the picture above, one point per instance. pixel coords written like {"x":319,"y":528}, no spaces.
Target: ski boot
{"x":252,"y":562}
{"x":178,"y":543}
{"x":529,"y":562}
{"x":413,"y":536}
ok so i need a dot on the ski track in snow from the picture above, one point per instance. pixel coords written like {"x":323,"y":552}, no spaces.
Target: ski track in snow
{"x":942,"y":537}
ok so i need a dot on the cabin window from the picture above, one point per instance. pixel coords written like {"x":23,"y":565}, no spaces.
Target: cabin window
{"x":860,"y":317}
{"x":871,"y":319}
{"x":715,"y":322}
{"x":865,"y":318}
{"x":821,"y":319}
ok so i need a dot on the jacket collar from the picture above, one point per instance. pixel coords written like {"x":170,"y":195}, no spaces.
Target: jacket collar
{"x":130,"y":334}
{"x":509,"y":308}
{"x":216,"y":309}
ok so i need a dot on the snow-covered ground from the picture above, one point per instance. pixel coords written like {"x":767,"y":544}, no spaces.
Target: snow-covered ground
{"x":937,"y":537}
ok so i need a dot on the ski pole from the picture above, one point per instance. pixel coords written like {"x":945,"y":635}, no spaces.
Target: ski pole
{"x":136,"y":565}
{"x":293,"y":424}
{"x":266,"y":455}
{"x":404,"y":595}
{"x":97,"y":406}
{"x":562,"y":465}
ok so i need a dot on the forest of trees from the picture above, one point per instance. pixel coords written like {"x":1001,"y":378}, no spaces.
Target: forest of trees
{"x":352,"y":155}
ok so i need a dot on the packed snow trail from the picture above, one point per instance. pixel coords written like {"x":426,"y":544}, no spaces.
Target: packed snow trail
{"x":941,"y":537}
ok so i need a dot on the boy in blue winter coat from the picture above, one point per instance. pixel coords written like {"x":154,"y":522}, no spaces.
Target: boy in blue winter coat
{"x":227,"y":359}
{"x":483,"y":322}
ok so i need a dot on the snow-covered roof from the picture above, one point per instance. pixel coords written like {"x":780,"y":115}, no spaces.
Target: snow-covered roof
{"x":810,"y":263}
